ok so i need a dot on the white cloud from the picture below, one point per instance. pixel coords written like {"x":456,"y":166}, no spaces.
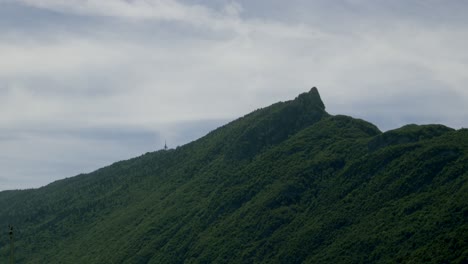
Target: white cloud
{"x":67,"y":56}
{"x":137,"y":9}
{"x":241,"y":58}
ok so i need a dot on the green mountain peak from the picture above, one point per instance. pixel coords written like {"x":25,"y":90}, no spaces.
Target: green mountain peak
{"x":288,"y":183}
{"x":312,"y":97}
{"x":271,"y":125}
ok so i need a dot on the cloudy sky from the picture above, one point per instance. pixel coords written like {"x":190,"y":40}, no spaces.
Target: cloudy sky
{"x":84,"y":83}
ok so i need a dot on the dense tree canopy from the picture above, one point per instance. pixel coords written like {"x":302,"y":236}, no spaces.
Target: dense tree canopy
{"x":285,"y":184}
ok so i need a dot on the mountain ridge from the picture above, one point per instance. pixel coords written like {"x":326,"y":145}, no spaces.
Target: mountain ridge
{"x":288,"y":183}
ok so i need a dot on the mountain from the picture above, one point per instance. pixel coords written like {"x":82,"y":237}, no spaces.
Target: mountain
{"x":288,"y":183}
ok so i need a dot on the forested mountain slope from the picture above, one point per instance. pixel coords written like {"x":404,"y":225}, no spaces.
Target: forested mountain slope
{"x":288,"y":183}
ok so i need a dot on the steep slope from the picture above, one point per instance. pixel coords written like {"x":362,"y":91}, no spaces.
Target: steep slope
{"x":288,"y":183}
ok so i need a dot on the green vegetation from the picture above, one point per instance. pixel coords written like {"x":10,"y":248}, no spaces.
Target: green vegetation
{"x":285,"y":184}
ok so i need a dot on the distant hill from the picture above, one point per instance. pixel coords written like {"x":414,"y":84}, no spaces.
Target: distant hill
{"x":288,"y":183}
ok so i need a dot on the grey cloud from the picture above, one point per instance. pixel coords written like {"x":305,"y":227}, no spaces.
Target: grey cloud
{"x":91,"y":87}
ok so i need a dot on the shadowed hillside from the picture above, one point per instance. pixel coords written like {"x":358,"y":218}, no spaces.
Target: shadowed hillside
{"x":288,"y":183}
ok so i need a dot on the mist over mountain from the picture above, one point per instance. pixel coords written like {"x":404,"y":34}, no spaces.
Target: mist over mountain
{"x":288,"y":183}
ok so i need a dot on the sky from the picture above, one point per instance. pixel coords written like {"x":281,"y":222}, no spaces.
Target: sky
{"x":85,"y":83}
